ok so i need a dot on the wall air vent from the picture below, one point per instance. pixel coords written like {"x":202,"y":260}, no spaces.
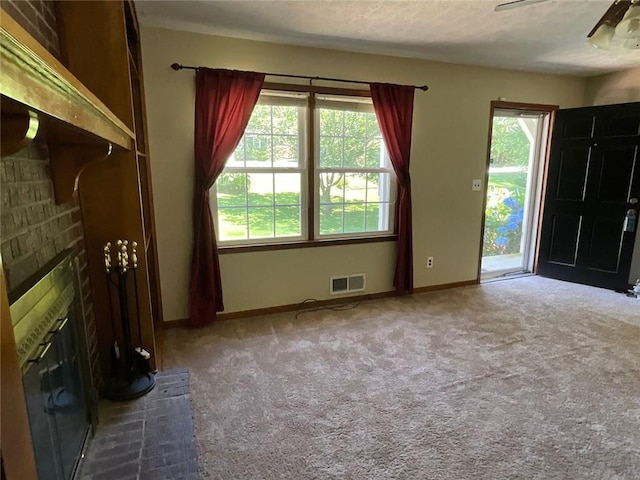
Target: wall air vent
{"x":347,"y":284}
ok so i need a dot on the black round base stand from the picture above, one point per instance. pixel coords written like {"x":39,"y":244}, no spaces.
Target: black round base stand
{"x":120,"y":389}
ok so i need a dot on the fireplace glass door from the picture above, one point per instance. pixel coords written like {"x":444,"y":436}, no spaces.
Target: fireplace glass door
{"x":46,"y":446}
{"x":66,"y":399}
{"x":45,"y":321}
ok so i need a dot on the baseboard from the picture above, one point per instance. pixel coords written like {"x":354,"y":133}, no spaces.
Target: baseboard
{"x":178,"y":323}
{"x":293,"y":307}
{"x":446,"y":286}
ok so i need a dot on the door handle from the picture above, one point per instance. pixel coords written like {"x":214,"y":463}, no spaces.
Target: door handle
{"x":45,"y":348}
{"x":61,"y":323}
{"x":630,"y":220}
{"x":633,"y":201}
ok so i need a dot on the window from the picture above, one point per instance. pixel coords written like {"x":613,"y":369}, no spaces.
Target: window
{"x":353,"y":171}
{"x":259,"y":193}
{"x":264,"y":192}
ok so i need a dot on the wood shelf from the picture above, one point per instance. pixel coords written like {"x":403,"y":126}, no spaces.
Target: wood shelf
{"x":37,"y":81}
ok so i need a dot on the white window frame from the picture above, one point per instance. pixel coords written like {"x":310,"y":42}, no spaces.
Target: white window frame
{"x":363,"y":104}
{"x":309,"y":180}
{"x":268,"y":97}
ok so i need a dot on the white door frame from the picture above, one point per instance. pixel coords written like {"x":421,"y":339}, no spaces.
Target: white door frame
{"x":533,"y":207}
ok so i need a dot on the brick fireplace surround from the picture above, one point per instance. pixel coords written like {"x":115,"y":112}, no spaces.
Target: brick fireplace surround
{"x":33,"y":229}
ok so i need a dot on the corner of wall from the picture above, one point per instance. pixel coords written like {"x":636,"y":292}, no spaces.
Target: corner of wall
{"x":611,"y":88}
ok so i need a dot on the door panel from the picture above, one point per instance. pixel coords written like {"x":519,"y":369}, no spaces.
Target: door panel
{"x":616,"y":174}
{"x":604,"y":245}
{"x":593,"y":174}
{"x":580,"y":127}
{"x":572,"y":174}
{"x":620,"y":125}
{"x":564,"y":239}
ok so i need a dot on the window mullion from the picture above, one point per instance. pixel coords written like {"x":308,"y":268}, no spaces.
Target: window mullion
{"x":311,"y":166}
{"x":366,"y":198}
{"x":246,"y":185}
{"x":246,"y":201}
{"x":264,"y":170}
{"x":366,"y":175}
{"x":273,"y":205}
{"x":344,"y":175}
{"x":355,"y":170}
{"x":273,"y":181}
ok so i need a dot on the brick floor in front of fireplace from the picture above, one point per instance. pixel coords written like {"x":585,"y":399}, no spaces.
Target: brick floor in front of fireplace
{"x":150,"y":438}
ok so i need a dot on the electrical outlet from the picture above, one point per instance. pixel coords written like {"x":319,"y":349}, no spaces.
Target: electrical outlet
{"x":429,"y":262}
{"x":476,"y":186}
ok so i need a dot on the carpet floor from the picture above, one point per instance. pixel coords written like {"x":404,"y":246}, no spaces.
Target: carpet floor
{"x":529,"y":378}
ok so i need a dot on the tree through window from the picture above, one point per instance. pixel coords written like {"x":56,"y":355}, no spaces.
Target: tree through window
{"x":353,"y":168}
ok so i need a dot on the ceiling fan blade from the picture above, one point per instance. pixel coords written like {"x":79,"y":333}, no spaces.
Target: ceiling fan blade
{"x":515,"y":4}
{"x":613,"y":15}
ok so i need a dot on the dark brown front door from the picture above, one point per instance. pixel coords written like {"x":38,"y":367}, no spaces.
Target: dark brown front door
{"x":593,"y":181}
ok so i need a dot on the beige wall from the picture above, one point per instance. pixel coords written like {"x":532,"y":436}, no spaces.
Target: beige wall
{"x":618,"y":87}
{"x":451,"y":123}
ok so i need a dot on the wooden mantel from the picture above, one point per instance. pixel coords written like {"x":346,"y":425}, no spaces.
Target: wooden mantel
{"x":37,"y":89}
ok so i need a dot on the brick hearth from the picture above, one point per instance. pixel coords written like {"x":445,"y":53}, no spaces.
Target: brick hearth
{"x":150,"y":438}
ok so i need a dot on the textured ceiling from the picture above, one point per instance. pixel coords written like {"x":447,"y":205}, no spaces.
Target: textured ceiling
{"x":545,"y":37}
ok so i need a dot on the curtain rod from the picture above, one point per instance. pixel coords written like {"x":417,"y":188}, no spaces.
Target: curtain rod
{"x":177,"y":66}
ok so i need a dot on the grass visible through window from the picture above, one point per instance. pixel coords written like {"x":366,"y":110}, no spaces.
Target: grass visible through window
{"x":232,"y":217}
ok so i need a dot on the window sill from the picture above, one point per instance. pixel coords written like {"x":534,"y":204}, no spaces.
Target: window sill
{"x":304,"y":244}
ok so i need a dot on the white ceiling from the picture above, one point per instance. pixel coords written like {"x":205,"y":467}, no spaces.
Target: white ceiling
{"x":546,"y":37}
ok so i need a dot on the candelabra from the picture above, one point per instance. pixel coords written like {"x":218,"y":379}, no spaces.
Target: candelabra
{"x":131,"y":372}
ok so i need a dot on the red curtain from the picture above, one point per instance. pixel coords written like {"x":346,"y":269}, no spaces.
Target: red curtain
{"x":224,"y":102}
{"x":393,"y":105}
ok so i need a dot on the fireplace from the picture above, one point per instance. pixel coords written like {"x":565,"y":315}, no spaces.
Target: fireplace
{"x":47,"y":318}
